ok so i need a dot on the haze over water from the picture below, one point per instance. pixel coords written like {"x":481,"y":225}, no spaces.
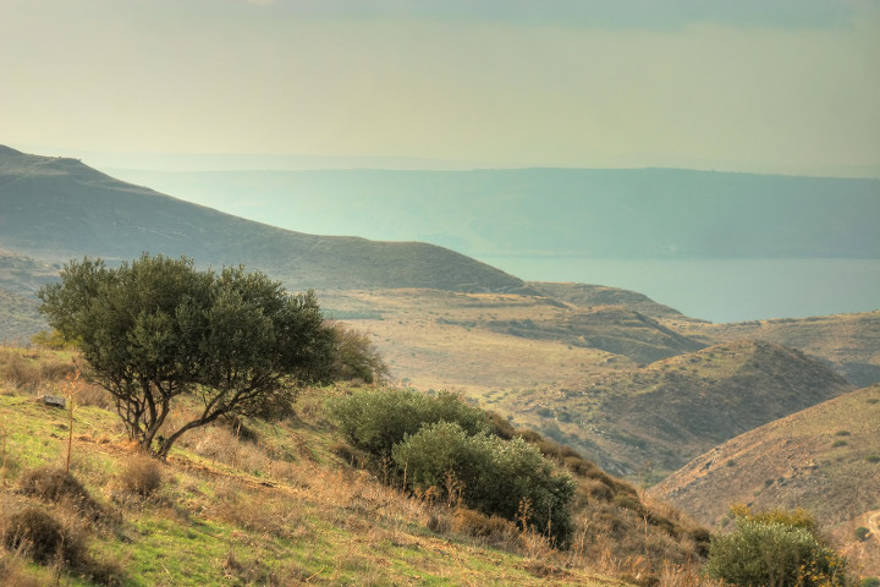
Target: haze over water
{"x":722,"y":290}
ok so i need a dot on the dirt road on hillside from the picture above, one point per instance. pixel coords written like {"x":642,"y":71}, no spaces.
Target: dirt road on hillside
{"x":874,"y":525}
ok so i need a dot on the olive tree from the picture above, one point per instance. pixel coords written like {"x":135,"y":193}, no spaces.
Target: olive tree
{"x":156,"y":329}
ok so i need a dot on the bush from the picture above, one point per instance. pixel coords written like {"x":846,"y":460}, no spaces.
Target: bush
{"x":55,"y":485}
{"x":493,"y":529}
{"x":773,"y":553}
{"x":797,"y":518}
{"x":356,"y":357}
{"x":508,"y":478}
{"x":42,"y":538}
{"x":862,"y":533}
{"x":18,"y":371}
{"x":374,"y":421}
{"x":52,"y":339}
{"x":141,"y":476}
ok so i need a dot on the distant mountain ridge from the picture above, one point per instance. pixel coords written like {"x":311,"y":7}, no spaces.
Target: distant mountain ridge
{"x":57,"y":208}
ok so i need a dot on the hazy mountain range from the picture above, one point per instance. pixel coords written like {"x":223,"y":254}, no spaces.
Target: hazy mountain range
{"x":613,"y":213}
{"x":57,"y":208}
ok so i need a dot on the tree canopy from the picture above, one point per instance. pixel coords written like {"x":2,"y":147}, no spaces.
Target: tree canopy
{"x":157,"y":328}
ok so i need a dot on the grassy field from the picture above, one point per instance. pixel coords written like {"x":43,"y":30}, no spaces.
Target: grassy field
{"x":272,"y":503}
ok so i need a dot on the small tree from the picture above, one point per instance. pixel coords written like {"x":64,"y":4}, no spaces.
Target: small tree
{"x":157,"y":329}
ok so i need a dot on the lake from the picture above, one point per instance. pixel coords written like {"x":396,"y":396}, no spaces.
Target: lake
{"x":721,"y":290}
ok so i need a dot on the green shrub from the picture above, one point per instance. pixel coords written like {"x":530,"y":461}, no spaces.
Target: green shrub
{"x":862,"y":533}
{"x":798,"y":517}
{"x":510,"y":479}
{"x":374,"y":421}
{"x":869,"y":582}
{"x":773,"y":553}
{"x":356,"y":357}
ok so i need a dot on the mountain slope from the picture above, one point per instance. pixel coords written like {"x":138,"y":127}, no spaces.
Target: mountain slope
{"x":56,"y":208}
{"x":587,"y":296}
{"x":825,"y":458}
{"x":19,"y":318}
{"x":660,"y":416}
{"x":614,"y":329}
{"x":850,"y":342}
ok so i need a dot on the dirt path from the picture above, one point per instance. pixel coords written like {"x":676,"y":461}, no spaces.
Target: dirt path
{"x":874,"y":525}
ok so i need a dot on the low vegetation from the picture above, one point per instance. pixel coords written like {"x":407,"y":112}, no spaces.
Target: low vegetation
{"x":775,"y":548}
{"x":278,"y":506}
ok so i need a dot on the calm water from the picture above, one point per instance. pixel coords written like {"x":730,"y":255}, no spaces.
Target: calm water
{"x":723,"y":290}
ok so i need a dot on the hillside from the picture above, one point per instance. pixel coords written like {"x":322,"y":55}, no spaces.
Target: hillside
{"x":485,"y":343}
{"x":19,"y":319}
{"x":552,"y":365}
{"x":849,"y":342}
{"x":281,"y":503}
{"x":825,"y":458}
{"x":652,"y":420}
{"x":604,"y":213}
{"x":56,"y":208}
{"x":588,"y":296}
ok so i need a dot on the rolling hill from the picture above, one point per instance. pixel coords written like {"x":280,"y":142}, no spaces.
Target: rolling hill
{"x":652,"y":420}
{"x":825,"y":458}
{"x":849,"y":342}
{"x":556,"y":371}
{"x":58,"y":208}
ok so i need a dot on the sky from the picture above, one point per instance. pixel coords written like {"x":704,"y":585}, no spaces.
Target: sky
{"x":778,"y":86}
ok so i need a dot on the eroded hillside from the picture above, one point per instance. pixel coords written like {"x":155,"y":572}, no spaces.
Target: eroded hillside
{"x":825,"y":458}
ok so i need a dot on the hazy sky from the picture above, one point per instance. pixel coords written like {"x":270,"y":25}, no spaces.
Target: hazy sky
{"x":757,"y":85}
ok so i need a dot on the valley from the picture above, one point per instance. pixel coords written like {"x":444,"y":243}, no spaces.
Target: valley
{"x":631,"y":384}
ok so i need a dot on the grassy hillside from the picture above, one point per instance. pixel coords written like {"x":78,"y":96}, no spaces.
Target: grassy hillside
{"x":55,"y":209}
{"x":825,"y":458}
{"x":612,"y":213}
{"x":850,"y":342}
{"x":280,"y":503}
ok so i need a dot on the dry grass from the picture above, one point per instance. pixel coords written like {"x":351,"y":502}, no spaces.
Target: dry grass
{"x":141,"y":476}
{"x":281,"y":510}
{"x":55,"y":485}
{"x":14,"y":573}
{"x":31,"y":369}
